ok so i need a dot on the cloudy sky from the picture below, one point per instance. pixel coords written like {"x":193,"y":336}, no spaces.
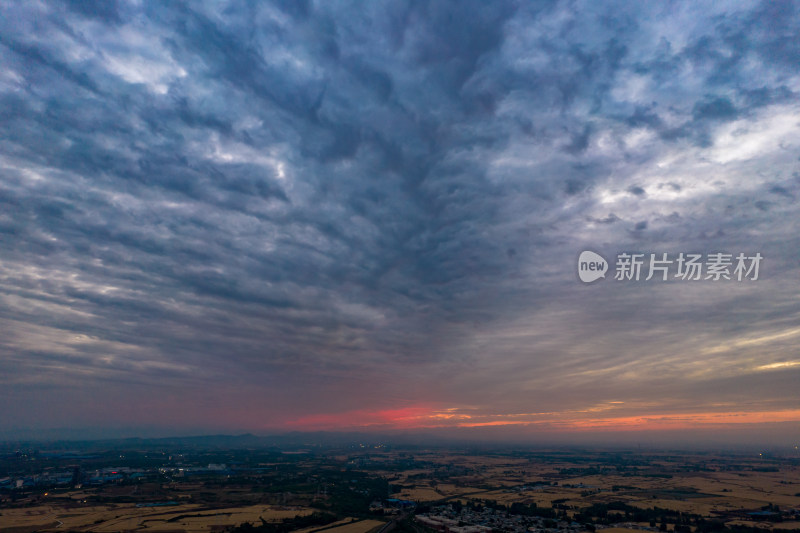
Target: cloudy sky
{"x":268,"y":217}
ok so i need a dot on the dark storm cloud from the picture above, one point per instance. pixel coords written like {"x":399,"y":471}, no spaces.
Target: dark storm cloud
{"x":104,"y":10}
{"x":312,"y":196}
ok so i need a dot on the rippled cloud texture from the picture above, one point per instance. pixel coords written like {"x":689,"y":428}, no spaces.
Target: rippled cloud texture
{"x":331,"y":215}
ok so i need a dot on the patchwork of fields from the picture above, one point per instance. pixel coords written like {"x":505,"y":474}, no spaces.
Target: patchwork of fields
{"x":353,"y":491}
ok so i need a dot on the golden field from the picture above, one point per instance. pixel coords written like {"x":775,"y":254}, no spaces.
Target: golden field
{"x":187,"y":518}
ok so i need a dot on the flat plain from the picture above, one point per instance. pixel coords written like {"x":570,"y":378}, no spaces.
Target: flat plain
{"x":356,"y":487}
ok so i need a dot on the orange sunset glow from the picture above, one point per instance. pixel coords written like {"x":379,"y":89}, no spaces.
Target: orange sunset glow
{"x":421,"y":417}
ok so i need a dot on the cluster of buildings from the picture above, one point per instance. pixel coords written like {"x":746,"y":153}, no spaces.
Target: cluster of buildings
{"x":450,"y":525}
{"x":78,"y":478}
{"x":391,"y":506}
{"x":468,"y":520}
{"x":50,"y":479}
{"x":484,"y":520}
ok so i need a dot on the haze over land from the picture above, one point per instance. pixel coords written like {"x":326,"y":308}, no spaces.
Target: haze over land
{"x":213,"y":484}
{"x":304,"y":216}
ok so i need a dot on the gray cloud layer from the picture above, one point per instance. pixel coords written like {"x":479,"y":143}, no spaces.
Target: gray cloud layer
{"x":239,"y":215}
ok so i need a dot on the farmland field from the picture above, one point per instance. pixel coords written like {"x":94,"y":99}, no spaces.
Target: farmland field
{"x":186,"y":518}
{"x":358,"y":491}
